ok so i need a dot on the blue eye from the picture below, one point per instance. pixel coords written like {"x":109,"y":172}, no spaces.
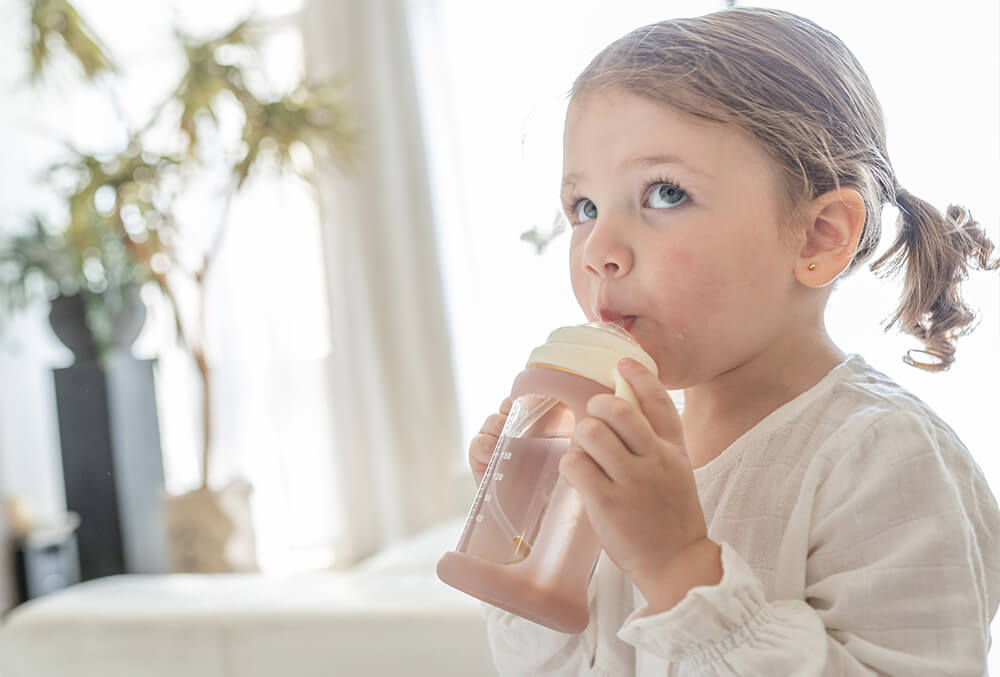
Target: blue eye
{"x":664,"y":195}
{"x":585,"y":211}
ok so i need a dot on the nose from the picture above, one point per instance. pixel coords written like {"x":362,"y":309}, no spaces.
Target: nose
{"x":607,"y":253}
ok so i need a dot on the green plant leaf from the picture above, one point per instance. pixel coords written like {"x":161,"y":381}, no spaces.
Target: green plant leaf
{"x":53,"y":20}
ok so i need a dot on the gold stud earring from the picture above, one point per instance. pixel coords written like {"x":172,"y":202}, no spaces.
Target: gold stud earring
{"x":812,"y":266}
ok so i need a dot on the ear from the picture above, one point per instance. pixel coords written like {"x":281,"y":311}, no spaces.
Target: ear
{"x":832,"y":229}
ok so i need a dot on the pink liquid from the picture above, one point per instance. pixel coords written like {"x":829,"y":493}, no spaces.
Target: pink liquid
{"x":513,"y":499}
{"x":528,"y":546}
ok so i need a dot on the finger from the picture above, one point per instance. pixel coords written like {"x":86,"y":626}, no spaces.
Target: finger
{"x":626,"y":421}
{"x":595,"y":437}
{"x":581,"y":471}
{"x":482,"y":446}
{"x":654,"y":400}
{"x":481,"y":451}
{"x":493,"y":425}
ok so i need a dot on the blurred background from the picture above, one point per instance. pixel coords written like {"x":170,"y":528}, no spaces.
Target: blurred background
{"x":362,"y":316}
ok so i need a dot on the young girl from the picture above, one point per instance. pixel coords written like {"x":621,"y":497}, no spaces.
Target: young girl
{"x":805,"y":515}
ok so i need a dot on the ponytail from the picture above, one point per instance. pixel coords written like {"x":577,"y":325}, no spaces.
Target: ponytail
{"x":935,"y":252}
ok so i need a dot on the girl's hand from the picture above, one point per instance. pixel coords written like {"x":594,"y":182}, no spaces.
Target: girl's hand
{"x":631,"y":469}
{"x":482,"y":445}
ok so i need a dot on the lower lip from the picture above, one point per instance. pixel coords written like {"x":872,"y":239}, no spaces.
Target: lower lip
{"x":628,"y":323}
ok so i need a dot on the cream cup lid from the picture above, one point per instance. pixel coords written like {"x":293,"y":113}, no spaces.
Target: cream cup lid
{"x":593,"y":351}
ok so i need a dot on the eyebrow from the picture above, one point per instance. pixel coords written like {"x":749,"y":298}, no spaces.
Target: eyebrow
{"x":647,"y":161}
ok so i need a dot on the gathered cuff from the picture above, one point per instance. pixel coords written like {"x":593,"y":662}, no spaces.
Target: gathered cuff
{"x":710,"y":621}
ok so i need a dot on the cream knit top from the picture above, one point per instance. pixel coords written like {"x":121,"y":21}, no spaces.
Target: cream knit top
{"x":858,"y":537}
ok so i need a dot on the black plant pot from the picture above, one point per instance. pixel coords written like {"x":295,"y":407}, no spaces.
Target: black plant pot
{"x":68,"y":318}
{"x":127,"y":323}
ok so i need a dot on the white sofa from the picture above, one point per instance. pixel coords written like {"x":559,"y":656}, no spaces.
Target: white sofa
{"x":390,"y":616}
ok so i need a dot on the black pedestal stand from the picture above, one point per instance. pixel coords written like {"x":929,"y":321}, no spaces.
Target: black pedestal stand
{"x":110,"y":440}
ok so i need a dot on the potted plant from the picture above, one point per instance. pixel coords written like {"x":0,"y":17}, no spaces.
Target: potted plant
{"x":121,"y":230}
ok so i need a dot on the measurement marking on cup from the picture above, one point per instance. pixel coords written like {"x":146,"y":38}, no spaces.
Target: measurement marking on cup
{"x":497,"y":476}
{"x":475,"y":517}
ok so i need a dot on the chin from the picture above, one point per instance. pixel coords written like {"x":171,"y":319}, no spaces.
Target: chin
{"x":655,"y":351}
{"x":669,"y":362}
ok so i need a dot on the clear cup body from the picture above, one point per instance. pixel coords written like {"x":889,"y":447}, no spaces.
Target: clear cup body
{"x":520,"y":481}
{"x":527,"y":545}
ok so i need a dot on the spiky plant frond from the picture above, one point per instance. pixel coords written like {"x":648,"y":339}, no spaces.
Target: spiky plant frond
{"x":58,"y":21}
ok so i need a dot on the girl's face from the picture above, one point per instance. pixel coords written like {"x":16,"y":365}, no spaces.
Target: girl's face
{"x":676,"y":235}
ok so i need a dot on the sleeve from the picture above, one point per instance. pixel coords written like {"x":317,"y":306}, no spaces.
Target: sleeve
{"x":901,"y":574}
{"x":521,"y":647}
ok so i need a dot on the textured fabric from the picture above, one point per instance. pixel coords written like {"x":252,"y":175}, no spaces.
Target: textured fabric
{"x":858,"y":537}
{"x":394,"y":407}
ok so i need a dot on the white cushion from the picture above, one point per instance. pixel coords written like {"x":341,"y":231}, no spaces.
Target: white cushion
{"x":419,"y":553}
{"x":390,"y":617}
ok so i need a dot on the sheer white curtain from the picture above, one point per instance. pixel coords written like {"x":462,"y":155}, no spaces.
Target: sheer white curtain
{"x":393,"y":407}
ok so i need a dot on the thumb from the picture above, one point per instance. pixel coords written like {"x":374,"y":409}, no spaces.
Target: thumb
{"x":653,"y":399}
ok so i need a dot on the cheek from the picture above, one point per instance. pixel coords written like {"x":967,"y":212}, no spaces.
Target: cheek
{"x":701,"y":289}
{"x":684,"y":271}
{"x":681,"y":263}
{"x":722,"y":290}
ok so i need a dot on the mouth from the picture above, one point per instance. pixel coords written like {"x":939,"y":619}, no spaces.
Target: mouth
{"x":626,"y":322}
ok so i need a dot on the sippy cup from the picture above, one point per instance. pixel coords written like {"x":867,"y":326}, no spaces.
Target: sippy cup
{"x":527,"y":545}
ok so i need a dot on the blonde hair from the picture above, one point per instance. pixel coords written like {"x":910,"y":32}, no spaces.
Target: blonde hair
{"x":802,"y":94}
